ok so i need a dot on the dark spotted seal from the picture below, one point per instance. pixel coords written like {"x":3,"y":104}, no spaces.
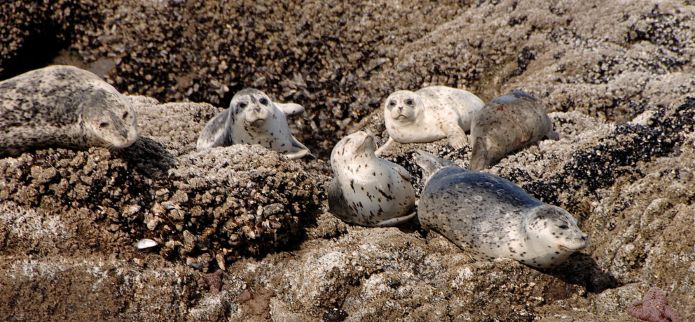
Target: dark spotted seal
{"x":493,"y":217}
{"x":63,"y":106}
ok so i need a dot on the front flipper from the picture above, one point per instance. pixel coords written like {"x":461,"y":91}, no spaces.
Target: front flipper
{"x":215,"y":133}
{"x":384,"y":147}
{"x":298,"y":151}
{"x":553,"y":135}
{"x":395,"y":221}
{"x":290,"y":109}
{"x":479,"y":156}
{"x":403,"y":172}
{"x":452,"y":129}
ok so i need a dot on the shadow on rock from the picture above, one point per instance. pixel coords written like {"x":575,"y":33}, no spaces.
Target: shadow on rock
{"x":148,"y":156}
{"x":581,"y":269}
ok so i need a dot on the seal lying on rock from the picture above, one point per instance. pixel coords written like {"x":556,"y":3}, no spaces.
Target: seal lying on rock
{"x":429,"y":114}
{"x":493,"y":217}
{"x":63,"y":106}
{"x":367,"y":190}
{"x":507,"y":123}
{"x":253,"y":118}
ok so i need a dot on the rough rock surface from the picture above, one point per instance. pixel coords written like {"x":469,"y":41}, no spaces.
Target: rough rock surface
{"x":200,"y":207}
{"x":617,"y":75}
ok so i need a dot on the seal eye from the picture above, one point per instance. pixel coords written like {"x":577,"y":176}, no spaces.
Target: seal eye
{"x":563,"y":226}
{"x":241,"y":104}
{"x":409,"y":102}
{"x":392,"y":103}
{"x":125,"y":115}
{"x":103,"y":124}
{"x":263,"y":101}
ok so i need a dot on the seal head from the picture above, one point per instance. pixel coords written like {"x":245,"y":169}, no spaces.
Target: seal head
{"x":109,"y":119}
{"x":548,"y":225}
{"x":402,"y":107}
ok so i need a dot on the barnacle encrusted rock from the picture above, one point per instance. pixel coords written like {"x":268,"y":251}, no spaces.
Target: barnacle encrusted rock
{"x":596,"y":64}
{"x":202,"y":208}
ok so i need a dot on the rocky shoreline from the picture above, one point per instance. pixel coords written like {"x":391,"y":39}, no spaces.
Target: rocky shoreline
{"x":618,"y":78}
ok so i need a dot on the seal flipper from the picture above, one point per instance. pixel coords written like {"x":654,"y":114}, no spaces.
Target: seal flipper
{"x":430,"y":163}
{"x":479,"y":156}
{"x":215,"y":133}
{"x":384,"y":147}
{"x":403,"y":173}
{"x":453,"y":131}
{"x":395,"y":221}
{"x":553,"y":135}
{"x":290,"y":109}
{"x":299,"y":150}
{"x":337,"y":205}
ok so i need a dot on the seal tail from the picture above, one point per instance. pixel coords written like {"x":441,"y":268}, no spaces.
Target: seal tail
{"x":430,"y":163}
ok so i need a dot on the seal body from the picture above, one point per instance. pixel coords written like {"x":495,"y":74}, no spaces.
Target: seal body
{"x":495,"y":218}
{"x":430,"y":114}
{"x":63,"y":106}
{"x":253,"y":118}
{"x":507,"y":123}
{"x":367,"y":190}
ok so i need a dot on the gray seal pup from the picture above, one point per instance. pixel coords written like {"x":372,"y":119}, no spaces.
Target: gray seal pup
{"x":429,"y":114}
{"x":493,"y":217}
{"x":367,"y":190}
{"x":63,"y":106}
{"x":507,"y":123}
{"x":253,"y":118}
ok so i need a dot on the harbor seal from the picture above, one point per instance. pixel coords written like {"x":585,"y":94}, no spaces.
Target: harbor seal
{"x":507,"y":123}
{"x":429,"y":114}
{"x":493,"y":217}
{"x":253,"y":118}
{"x":367,"y":190}
{"x":63,"y":106}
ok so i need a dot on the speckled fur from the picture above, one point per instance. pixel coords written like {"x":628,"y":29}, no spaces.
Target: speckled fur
{"x":493,"y":217}
{"x":507,"y":123}
{"x":367,"y":190}
{"x":63,"y":106}
{"x":253,"y":118}
{"x":429,"y":114}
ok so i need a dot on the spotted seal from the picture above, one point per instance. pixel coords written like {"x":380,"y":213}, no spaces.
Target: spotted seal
{"x":429,"y":114}
{"x":493,"y":217}
{"x":63,"y":106}
{"x":507,"y":123}
{"x":253,"y":118}
{"x":367,"y":190}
